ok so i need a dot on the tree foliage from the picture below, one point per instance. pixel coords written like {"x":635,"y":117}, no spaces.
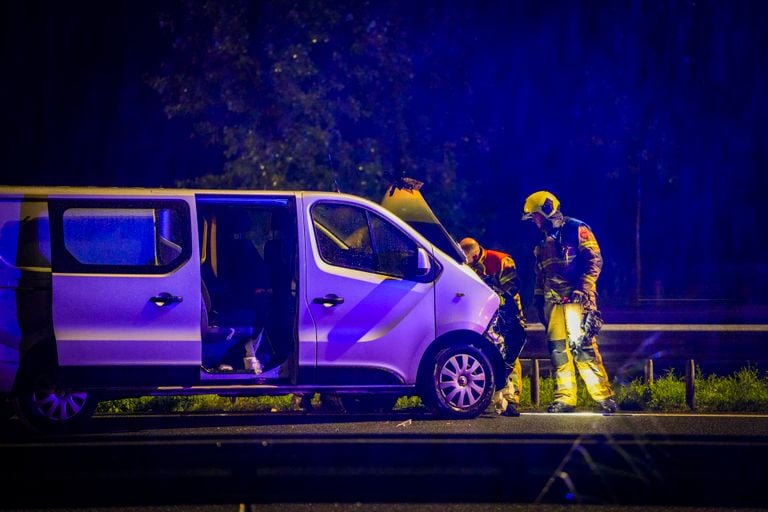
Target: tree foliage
{"x":299,"y":95}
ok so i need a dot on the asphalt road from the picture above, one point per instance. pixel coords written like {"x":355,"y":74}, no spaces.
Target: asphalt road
{"x":405,"y":457}
{"x":410,"y":461}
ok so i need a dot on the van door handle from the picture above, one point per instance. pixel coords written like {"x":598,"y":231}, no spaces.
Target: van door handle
{"x":329,"y":300}
{"x":165,"y":298}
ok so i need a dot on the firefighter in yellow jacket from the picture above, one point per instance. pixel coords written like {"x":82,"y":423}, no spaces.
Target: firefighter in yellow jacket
{"x":498,"y":270}
{"x":568,"y":263}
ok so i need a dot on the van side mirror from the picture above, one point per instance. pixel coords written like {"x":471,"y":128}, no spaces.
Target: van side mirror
{"x":423,"y":263}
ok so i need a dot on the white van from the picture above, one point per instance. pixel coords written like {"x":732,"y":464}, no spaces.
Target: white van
{"x":114,"y":292}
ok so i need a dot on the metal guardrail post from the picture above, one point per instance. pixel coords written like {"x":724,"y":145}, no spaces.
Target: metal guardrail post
{"x":690,"y":389}
{"x":535,"y":385}
{"x":648,"y":370}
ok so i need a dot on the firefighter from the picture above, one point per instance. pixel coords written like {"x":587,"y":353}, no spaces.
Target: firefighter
{"x":568,"y":263}
{"x":498,"y":270}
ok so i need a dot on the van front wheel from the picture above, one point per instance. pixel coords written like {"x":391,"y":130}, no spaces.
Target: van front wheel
{"x":461,"y":383}
{"x":49,"y":407}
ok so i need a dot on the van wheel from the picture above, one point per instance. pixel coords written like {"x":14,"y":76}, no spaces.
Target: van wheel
{"x":461,"y":383}
{"x":49,"y":407}
{"x":355,"y":404}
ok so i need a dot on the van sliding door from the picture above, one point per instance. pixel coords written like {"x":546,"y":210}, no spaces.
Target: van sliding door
{"x":126,"y":285}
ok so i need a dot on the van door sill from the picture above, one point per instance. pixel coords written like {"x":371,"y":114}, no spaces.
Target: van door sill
{"x":209,"y":374}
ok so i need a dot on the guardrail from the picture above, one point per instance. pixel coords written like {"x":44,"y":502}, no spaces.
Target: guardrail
{"x":634,"y":350}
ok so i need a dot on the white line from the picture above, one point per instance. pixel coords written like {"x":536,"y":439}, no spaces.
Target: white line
{"x":697,"y":415}
{"x":646,"y":414}
{"x":688,"y":327}
{"x":675,"y":327}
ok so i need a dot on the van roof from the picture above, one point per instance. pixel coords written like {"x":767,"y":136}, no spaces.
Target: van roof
{"x":63,"y":191}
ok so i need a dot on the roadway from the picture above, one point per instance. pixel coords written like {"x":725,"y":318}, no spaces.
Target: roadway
{"x":408,"y":457}
{"x":403,"y":457}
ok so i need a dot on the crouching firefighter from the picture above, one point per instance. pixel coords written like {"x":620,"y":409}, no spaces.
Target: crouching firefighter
{"x":498,"y":270}
{"x":568,"y":263}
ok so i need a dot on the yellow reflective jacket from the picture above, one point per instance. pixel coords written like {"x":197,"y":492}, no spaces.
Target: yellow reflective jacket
{"x":567,"y":258}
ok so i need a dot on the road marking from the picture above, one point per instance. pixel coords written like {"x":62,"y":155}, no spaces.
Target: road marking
{"x":649,"y":414}
{"x":675,"y":327}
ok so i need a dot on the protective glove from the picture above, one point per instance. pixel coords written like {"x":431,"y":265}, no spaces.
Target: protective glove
{"x":579,"y":297}
{"x":491,"y":281}
{"x":592,"y":323}
{"x":538,"y":302}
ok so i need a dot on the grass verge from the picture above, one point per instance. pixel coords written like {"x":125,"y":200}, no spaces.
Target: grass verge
{"x":744,"y":391}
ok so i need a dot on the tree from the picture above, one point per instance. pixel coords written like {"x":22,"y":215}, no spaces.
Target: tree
{"x":299,"y":95}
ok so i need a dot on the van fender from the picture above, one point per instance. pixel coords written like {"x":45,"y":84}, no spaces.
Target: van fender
{"x":35,"y":354}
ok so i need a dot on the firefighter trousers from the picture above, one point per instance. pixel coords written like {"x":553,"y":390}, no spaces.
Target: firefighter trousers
{"x":510,"y":393}
{"x":563,"y":326}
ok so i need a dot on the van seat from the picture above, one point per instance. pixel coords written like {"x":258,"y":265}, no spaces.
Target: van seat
{"x":219,"y":340}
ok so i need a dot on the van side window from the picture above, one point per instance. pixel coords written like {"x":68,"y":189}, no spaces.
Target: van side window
{"x":352,"y":237}
{"x":136,"y":238}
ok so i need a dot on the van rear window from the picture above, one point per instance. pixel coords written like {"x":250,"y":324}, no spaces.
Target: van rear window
{"x":143,"y":237}
{"x":101,"y":236}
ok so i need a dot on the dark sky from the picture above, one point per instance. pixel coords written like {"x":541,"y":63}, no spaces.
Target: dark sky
{"x":80,"y":110}
{"x":573,"y":97}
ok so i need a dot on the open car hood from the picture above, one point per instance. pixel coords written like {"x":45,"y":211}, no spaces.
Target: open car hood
{"x":405,"y":200}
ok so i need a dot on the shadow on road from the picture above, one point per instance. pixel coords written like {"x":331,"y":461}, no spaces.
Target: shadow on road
{"x":135,"y":423}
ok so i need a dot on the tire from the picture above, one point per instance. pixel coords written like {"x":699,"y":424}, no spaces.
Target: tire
{"x":48,"y":407}
{"x":359,"y":404}
{"x":461,"y":383}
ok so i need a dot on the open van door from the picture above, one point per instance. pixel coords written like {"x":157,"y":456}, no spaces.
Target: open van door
{"x":126,"y":289}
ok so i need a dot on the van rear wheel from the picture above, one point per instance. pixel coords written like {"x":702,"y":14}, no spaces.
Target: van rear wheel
{"x":461,"y":383}
{"x":49,"y":407}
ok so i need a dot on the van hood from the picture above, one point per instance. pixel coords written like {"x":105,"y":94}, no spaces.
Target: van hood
{"x":405,"y":200}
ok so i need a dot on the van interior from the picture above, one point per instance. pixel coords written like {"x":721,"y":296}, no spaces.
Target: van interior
{"x":248,"y":256}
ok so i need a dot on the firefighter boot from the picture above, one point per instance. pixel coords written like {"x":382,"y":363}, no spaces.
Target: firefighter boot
{"x":608,"y":406}
{"x":511,"y":411}
{"x":560,"y":407}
